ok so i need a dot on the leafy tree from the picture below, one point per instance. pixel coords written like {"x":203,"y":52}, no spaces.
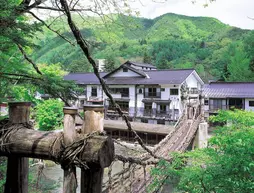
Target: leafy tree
{"x":80,"y":65}
{"x":111,"y":63}
{"x":147,"y":58}
{"x":227,"y":165}
{"x":238,"y":67}
{"x":49,"y":114}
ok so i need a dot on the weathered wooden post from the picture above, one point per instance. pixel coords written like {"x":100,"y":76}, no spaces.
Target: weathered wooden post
{"x":70,"y":180}
{"x":17,"y":167}
{"x":91,"y":179}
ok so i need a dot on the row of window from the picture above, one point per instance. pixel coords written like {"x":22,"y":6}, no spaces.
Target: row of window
{"x":224,"y":104}
{"x":152,"y":91}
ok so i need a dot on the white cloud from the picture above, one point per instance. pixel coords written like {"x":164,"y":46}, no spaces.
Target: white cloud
{"x":232,"y":12}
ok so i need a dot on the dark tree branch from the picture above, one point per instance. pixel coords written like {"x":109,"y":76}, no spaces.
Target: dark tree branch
{"x":60,"y":10}
{"x":84,"y":47}
{"x":28,"y":59}
{"x":19,"y":75}
{"x":44,"y":23}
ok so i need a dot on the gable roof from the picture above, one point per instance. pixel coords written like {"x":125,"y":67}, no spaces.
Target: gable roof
{"x":140,"y":64}
{"x":140,"y":72}
{"x":229,"y":90}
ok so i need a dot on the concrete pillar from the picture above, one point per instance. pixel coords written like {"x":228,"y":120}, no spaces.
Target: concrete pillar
{"x":202,"y":136}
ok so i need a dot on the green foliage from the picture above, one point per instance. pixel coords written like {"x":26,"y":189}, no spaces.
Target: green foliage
{"x":169,"y":41}
{"x":3,"y":168}
{"x":49,"y":114}
{"x":111,"y":63}
{"x":227,"y":165}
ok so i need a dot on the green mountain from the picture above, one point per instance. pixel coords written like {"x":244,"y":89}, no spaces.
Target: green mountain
{"x":168,"y":41}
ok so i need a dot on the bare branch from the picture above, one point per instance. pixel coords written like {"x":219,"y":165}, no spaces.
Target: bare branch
{"x":44,"y":23}
{"x":28,"y":59}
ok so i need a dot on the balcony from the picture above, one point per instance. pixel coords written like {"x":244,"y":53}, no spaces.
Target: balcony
{"x":152,"y":95}
{"x":161,"y":113}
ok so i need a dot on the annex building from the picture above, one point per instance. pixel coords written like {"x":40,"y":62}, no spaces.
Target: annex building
{"x":228,"y":95}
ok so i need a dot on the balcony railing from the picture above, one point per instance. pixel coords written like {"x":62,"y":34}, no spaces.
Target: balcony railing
{"x":161,"y":113}
{"x":225,"y":107}
{"x":152,"y":95}
{"x":113,"y":110}
{"x":95,"y":99}
{"x":148,"y":112}
{"x":194,"y":91}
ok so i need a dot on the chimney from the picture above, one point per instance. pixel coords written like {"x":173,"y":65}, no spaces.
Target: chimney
{"x":101,"y":64}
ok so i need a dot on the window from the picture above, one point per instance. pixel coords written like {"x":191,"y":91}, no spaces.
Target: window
{"x":140,"y":91}
{"x":94,"y":91}
{"x":148,"y":106}
{"x":215,"y":104}
{"x":163,"y":108}
{"x":143,"y":120}
{"x":161,"y":121}
{"x":125,"y":69}
{"x":173,"y":91}
{"x":251,"y":103}
{"x":97,"y":103}
{"x":151,"y":92}
{"x":148,"y":109}
{"x":206,"y":102}
{"x":123,"y":105}
{"x":123,"y":91}
{"x":162,"y":89}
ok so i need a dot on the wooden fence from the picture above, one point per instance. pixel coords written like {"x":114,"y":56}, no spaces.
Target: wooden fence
{"x":87,"y":148}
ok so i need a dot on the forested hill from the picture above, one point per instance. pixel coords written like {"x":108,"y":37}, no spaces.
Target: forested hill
{"x":214,"y":49}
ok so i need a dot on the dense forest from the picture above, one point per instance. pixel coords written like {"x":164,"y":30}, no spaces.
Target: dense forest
{"x":216,"y":50}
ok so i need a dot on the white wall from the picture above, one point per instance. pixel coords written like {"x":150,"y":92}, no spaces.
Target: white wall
{"x":247,"y":107}
{"x":192,"y":82}
{"x":165,"y":94}
{"x":120,"y":73}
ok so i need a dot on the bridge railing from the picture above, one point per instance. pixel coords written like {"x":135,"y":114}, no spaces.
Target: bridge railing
{"x":86,"y":148}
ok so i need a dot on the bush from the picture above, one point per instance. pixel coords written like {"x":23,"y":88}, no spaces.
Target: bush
{"x":49,"y":114}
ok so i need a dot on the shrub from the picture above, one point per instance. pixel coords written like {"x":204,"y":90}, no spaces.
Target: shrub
{"x":49,"y":114}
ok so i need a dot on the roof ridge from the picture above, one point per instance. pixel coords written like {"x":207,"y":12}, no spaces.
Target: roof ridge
{"x":169,"y":70}
{"x":231,"y":82}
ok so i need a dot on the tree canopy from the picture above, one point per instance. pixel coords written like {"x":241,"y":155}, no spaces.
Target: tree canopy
{"x":227,"y":165}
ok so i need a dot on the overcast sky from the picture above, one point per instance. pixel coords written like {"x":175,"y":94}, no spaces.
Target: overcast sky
{"x":232,"y":12}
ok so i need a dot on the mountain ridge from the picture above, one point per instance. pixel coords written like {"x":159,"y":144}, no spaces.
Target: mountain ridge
{"x":194,"y":40}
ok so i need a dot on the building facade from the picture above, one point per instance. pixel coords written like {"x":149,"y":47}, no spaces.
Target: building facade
{"x":228,"y":95}
{"x":144,"y":93}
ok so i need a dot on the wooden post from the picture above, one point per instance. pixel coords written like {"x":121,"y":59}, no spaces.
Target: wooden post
{"x":91,"y":179}
{"x":70,"y":180}
{"x":17,"y":167}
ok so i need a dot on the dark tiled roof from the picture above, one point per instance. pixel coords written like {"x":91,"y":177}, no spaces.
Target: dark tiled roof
{"x":84,"y":78}
{"x":155,"y":77}
{"x":141,"y":64}
{"x":229,"y":90}
{"x":140,"y":72}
